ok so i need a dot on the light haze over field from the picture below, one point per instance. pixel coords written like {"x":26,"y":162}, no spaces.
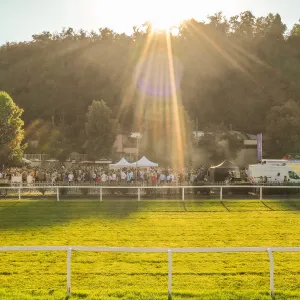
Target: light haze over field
{"x":21,"y":19}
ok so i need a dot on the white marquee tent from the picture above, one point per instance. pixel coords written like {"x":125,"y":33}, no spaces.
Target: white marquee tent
{"x":123,"y":163}
{"x":144,"y":162}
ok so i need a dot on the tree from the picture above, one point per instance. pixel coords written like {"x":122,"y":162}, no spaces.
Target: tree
{"x":229,"y":70}
{"x":51,"y":139}
{"x":100,"y":130}
{"x":295,"y":32}
{"x":283,"y":130}
{"x":11,"y":130}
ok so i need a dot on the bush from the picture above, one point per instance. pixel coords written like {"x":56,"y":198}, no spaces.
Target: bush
{"x":42,"y":191}
{"x":63,"y":191}
{"x":3,"y":192}
{"x":84,"y":191}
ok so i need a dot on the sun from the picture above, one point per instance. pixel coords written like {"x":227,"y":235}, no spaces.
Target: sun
{"x":161,"y":24}
{"x":165,"y":24}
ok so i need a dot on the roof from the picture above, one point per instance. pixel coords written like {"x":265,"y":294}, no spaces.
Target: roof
{"x":144,"y":162}
{"x":122,"y":163}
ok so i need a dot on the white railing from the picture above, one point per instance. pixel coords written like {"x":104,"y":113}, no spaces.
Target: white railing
{"x":139,"y":188}
{"x":69,"y":249}
{"x":36,"y":156}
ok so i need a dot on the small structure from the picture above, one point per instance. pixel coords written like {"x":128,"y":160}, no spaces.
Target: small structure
{"x":220,"y":172}
{"x":144,"y":162}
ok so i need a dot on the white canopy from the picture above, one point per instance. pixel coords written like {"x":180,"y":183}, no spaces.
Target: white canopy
{"x":123,"y":163}
{"x":144,"y":162}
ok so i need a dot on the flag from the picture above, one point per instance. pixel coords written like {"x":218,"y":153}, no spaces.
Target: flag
{"x":259,"y":147}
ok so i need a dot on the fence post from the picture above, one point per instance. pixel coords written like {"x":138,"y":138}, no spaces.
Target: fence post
{"x":101,"y":194}
{"x":182,"y":194}
{"x":69,"y":271}
{"x":57,"y":194}
{"x":260,"y":193}
{"x":271,"y":273}
{"x":169,"y":275}
{"x":19,"y":194}
{"x":221,"y":193}
{"x":139,"y":194}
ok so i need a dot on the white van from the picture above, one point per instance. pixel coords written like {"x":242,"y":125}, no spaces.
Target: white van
{"x":269,"y":173}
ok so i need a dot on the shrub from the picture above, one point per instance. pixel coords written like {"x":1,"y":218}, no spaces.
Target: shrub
{"x":63,"y":191}
{"x":42,"y":191}
{"x":84,"y":191}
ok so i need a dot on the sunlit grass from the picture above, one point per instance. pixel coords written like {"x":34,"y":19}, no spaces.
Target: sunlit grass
{"x":205,"y":223}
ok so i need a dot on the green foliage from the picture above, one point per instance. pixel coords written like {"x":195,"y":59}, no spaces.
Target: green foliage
{"x":232,"y":70}
{"x":63,"y":191}
{"x":42,"y":191}
{"x":100,"y":130}
{"x":283,"y":129}
{"x":11,"y":130}
{"x":84,"y":191}
{"x":51,"y":139}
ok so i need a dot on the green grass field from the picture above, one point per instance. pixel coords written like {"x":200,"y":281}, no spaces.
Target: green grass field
{"x":42,"y":275}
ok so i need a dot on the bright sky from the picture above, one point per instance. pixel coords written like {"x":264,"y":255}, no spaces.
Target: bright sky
{"x":20,"y":19}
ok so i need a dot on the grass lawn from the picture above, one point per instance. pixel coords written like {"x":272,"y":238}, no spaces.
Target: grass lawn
{"x":42,"y":275}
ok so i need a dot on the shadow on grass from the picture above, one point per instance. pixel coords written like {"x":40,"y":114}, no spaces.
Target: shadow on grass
{"x":45,"y":212}
{"x":283,"y":205}
{"x":23,"y":214}
{"x":37,"y":213}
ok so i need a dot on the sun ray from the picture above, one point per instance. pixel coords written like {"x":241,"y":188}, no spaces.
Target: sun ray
{"x":131,"y":90}
{"x":179,"y":124}
{"x":235,"y":58}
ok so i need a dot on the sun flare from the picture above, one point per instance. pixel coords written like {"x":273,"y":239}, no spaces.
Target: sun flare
{"x":166,"y":24}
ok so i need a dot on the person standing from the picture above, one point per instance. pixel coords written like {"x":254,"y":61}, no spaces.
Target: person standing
{"x":70,"y":178}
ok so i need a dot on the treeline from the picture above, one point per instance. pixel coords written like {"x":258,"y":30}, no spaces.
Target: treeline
{"x":240,"y":73}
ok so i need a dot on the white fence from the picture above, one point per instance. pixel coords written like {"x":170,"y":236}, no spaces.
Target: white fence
{"x":140,"y":188}
{"x":69,"y":249}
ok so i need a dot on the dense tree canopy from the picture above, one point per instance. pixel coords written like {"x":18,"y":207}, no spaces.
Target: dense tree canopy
{"x":11,"y":130}
{"x":100,"y":131}
{"x":283,"y":129}
{"x":224,"y":71}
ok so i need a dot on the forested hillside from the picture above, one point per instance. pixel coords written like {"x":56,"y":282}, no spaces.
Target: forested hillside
{"x":224,"y":71}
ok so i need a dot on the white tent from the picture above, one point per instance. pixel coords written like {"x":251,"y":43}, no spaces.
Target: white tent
{"x":123,"y":163}
{"x":144,"y":162}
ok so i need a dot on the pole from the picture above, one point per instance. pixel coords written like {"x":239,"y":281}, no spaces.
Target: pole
{"x":69,"y":272}
{"x":260,"y":193}
{"x":137,"y":157}
{"x":182,"y":194}
{"x":19,"y":194}
{"x":57,"y":194}
{"x":271,"y":273}
{"x":169,"y":275}
{"x":221,"y":193}
{"x":139,"y":194}
{"x":101,"y":195}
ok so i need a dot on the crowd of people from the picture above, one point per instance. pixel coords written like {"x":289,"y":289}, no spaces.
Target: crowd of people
{"x":102,"y":175}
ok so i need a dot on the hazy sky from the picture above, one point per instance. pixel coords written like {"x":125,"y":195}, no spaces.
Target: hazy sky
{"x":22,"y":18}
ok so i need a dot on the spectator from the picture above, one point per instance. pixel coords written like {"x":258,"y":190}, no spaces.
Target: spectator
{"x":70,"y":178}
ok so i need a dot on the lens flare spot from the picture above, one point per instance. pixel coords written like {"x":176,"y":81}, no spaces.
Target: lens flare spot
{"x":154,"y":75}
